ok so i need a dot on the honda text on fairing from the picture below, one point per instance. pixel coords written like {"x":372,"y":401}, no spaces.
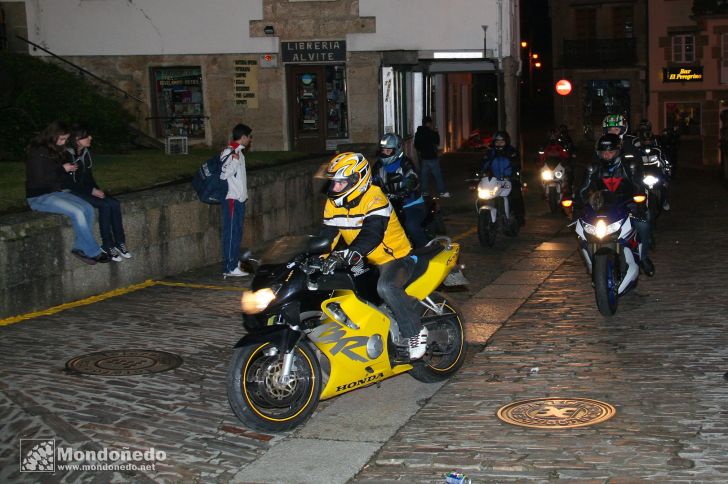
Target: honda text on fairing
{"x":609,"y":245}
{"x":316,"y":331}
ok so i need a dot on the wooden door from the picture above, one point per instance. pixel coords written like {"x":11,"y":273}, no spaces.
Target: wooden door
{"x":307,"y":106}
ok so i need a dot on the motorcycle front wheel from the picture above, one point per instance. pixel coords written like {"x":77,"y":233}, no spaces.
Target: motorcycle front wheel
{"x":487,"y":230}
{"x":606,"y":283}
{"x":553,"y":200}
{"x":258,"y":397}
{"x":446,"y":345}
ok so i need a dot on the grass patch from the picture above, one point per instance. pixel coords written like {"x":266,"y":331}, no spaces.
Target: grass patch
{"x":133,"y":171}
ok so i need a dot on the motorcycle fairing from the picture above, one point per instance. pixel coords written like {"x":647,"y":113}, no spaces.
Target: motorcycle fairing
{"x":346,"y":347}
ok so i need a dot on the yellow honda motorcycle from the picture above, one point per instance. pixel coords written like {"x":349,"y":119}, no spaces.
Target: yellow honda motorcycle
{"x":315,"y":333}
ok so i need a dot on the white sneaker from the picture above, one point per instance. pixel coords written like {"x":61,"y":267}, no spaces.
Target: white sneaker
{"x":121,"y":248}
{"x":445,"y":195}
{"x":114,"y":254}
{"x":418,"y":344}
{"x":235,"y":273}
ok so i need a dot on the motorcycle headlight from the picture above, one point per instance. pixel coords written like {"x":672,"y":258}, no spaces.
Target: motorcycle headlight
{"x":650,"y":180}
{"x":486,"y":193}
{"x":601,"y":229}
{"x":547,"y":175}
{"x":255,"y":302}
{"x":558,"y":174}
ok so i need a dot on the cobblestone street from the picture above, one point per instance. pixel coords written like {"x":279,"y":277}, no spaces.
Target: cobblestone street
{"x":660,"y":361}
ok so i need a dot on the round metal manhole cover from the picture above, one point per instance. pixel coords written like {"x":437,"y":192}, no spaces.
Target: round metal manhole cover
{"x":556,"y":413}
{"x":124,"y":362}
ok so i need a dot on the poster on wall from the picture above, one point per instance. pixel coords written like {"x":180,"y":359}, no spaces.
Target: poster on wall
{"x":245,"y":83}
{"x":388,"y":98}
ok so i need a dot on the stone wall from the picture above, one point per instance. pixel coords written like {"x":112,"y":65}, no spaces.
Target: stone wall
{"x":168,"y":230}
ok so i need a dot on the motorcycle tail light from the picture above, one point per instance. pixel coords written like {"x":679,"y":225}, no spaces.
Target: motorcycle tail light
{"x":567,"y":203}
{"x":639,"y":198}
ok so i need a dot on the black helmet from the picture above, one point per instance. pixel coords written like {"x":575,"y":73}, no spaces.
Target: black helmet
{"x":501,"y":136}
{"x":393,"y":142}
{"x":608,"y":147}
{"x":644,"y":129}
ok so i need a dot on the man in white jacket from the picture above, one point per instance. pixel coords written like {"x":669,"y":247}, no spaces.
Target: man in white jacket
{"x":233,"y":208}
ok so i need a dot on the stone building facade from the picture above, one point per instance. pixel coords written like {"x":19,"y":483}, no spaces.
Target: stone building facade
{"x":689,"y":74}
{"x":600,"y":46}
{"x":306,"y":75}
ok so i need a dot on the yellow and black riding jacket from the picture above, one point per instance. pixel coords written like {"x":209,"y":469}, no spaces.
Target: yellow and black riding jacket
{"x":368,"y":226}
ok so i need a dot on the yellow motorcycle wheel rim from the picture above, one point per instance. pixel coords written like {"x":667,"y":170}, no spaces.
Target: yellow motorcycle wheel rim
{"x":244,"y":386}
{"x":462,"y":340}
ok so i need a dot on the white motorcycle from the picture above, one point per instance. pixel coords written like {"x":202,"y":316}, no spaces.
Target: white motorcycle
{"x":553,"y":176}
{"x":494,"y":210}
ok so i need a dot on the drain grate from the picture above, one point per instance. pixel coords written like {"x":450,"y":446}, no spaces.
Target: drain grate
{"x":124,"y":362}
{"x":556,"y":413}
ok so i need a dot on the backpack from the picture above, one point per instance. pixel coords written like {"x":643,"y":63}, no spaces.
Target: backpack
{"x":207,"y":183}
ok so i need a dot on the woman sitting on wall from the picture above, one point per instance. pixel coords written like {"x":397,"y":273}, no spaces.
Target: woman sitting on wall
{"x":46,"y":166}
{"x":82,"y":184}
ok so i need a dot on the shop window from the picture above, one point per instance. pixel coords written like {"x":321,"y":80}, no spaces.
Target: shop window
{"x":683,"y":48}
{"x":685,"y":116}
{"x":337,"y":120}
{"x":178,"y":101}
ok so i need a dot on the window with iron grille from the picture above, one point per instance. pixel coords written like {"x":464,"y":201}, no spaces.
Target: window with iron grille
{"x":683,"y":48}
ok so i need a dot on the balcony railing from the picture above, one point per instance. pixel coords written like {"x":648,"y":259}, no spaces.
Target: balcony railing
{"x":599,"y":53}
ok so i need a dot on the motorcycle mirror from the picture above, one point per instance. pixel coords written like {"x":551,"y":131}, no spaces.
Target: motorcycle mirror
{"x":319,"y":245}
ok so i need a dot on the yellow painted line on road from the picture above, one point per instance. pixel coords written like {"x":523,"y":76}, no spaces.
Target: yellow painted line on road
{"x":80,"y":302}
{"x":201,"y":286}
{"x":108,"y":295}
{"x":467,"y":233}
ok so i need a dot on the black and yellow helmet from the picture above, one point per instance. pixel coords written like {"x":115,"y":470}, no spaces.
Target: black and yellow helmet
{"x":353,"y":169}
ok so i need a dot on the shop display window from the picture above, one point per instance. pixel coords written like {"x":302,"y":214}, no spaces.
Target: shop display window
{"x":685,"y":116}
{"x":178,"y":101}
{"x":337,"y":111}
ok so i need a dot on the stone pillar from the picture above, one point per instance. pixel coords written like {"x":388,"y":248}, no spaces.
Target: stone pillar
{"x":509,"y":67}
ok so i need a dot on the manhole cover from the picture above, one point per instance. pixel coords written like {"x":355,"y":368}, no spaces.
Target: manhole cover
{"x":556,"y":413}
{"x":124,"y":362}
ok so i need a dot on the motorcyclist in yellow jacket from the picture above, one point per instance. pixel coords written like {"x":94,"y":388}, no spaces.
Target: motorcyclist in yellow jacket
{"x":360,"y":214}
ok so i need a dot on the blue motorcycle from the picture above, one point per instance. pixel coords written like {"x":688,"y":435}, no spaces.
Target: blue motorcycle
{"x":610,"y":247}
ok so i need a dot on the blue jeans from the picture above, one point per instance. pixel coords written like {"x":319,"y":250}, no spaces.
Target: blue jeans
{"x":406,"y":309}
{"x":431,"y":166}
{"x":414,"y":215}
{"x":80,"y":213}
{"x":233,"y":216}
{"x":110,"y":223}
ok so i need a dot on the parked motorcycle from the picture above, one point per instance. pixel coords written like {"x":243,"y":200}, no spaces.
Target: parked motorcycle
{"x":609,"y":246}
{"x":298,"y":353}
{"x":494,"y":211}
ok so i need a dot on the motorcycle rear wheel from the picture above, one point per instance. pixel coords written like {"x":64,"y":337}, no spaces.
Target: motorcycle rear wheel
{"x":487,"y":230}
{"x":446,"y":344}
{"x":257,"y":397}
{"x":606,"y":283}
